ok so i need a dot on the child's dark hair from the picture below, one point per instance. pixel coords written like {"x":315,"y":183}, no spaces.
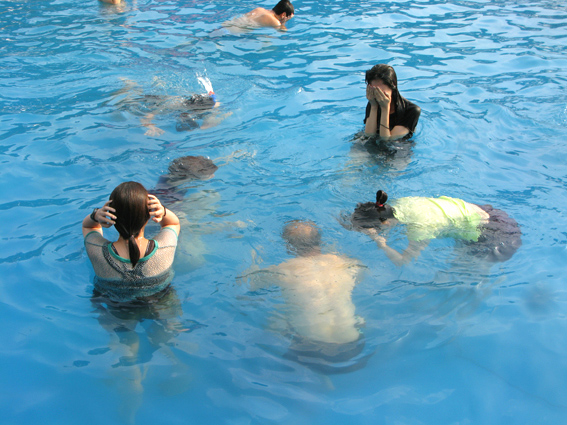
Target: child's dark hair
{"x":284,"y":6}
{"x":372,"y":214}
{"x":130,"y":200}
{"x":200,"y":101}
{"x":191,"y":167}
{"x":388,"y":76}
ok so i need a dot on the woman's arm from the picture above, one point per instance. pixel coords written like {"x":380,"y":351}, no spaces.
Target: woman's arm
{"x":99,"y":218}
{"x":372,"y":120}
{"x":152,"y":130}
{"x":162,"y":215}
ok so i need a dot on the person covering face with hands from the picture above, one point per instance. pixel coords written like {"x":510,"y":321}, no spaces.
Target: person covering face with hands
{"x":388,"y":114}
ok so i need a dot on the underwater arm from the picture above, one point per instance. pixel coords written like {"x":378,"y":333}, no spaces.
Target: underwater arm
{"x":256,"y":277}
{"x":214,"y":119}
{"x":152,"y":130}
{"x":399,"y":259}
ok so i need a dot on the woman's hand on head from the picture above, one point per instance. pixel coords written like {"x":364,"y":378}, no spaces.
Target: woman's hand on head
{"x":105,"y":215}
{"x":157,"y":210}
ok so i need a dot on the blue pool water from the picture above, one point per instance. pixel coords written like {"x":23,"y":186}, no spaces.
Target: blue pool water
{"x":443,"y":344}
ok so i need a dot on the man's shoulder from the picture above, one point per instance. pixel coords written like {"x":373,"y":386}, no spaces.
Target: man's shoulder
{"x":264,"y":17}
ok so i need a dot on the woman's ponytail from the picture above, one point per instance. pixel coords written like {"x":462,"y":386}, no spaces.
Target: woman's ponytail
{"x":133,"y":250}
{"x":130,"y":200}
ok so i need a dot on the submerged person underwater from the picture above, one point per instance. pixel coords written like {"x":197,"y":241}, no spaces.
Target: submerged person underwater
{"x":184,"y":173}
{"x":169,"y":187}
{"x":317,"y":288}
{"x":485,"y":232}
{"x":196,"y":111}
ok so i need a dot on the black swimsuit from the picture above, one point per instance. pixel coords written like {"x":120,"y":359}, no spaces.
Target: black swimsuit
{"x":149,"y":248}
{"x":406,"y":114}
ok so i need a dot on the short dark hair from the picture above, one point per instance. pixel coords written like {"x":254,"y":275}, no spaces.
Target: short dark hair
{"x":388,"y":76}
{"x":284,"y":6}
{"x":191,"y":167}
{"x":200,"y":101}
{"x":130,"y":200}
{"x":302,"y":236}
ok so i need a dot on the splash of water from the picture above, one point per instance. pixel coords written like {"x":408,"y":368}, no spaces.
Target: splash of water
{"x":206,"y":83}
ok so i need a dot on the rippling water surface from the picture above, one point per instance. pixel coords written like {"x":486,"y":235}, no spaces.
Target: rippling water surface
{"x":445,"y":343}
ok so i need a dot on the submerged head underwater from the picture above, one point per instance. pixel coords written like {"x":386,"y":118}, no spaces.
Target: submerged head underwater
{"x":346,"y":212}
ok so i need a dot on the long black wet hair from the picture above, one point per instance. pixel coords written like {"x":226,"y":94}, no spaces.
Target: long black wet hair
{"x":372,"y":214}
{"x":388,"y":76}
{"x":130,"y":200}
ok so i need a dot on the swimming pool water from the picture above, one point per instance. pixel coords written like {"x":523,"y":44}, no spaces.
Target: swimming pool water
{"x":443,"y":344}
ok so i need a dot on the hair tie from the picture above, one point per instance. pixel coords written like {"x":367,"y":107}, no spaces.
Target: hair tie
{"x":379,"y":205}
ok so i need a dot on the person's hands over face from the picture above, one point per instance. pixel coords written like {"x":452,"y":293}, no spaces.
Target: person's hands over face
{"x":383,"y":99}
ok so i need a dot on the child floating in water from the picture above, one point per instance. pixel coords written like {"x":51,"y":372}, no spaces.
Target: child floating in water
{"x":487,"y":233}
{"x":180,"y":171}
{"x":183,"y":173}
{"x":193,"y":112}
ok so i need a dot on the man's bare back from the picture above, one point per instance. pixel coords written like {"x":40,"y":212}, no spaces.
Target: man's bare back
{"x":260,"y":18}
{"x":318,"y":294}
{"x":317,"y":289}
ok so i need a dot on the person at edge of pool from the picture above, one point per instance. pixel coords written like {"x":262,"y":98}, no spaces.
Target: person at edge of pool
{"x":260,"y":17}
{"x":111,"y":1}
{"x":317,"y":288}
{"x":132,"y":267}
{"x":486,"y":232}
{"x":388,"y":115}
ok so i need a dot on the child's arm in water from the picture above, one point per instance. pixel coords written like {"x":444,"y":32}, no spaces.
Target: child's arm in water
{"x":399,"y":259}
{"x":256,"y":277}
{"x":214,"y":119}
{"x":152,"y":131}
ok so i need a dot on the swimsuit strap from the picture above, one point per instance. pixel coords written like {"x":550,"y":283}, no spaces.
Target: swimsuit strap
{"x":149,"y":248}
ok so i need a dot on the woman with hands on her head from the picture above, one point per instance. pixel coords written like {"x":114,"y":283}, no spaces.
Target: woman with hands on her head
{"x":132,"y":267}
{"x":388,"y":114}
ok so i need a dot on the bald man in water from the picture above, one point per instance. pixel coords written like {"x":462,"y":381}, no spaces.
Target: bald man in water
{"x":317,"y":287}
